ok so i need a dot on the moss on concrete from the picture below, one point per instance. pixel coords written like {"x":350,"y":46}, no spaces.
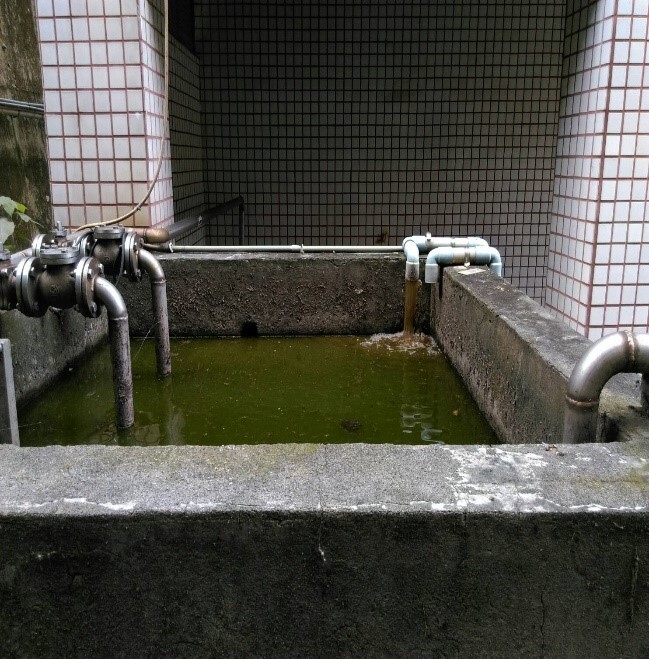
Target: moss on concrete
{"x":24,"y":171}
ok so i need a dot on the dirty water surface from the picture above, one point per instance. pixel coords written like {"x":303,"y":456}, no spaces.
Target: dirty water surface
{"x":380,"y":389}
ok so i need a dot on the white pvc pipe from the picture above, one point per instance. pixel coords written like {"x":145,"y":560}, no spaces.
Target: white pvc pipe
{"x":413,"y":246}
{"x":480,"y":255}
{"x":411,"y":250}
{"x":427,"y":243}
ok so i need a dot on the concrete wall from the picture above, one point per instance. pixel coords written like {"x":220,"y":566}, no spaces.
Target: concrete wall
{"x":516,"y":358}
{"x":324,"y":551}
{"x":214,"y":295}
{"x":43,"y":348}
{"x":334,"y":550}
{"x":362,"y":121}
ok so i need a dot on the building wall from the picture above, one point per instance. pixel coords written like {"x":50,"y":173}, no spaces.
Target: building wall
{"x":185,"y":132}
{"x":102,"y":80}
{"x":526,"y":123}
{"x":598,"y":265}
{"x":364,"y":122}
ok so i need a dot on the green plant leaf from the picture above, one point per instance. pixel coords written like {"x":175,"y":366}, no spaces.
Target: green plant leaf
{"x":21,"y":208}
{"x":6,"y":229}
{"x":8,"y":205}
{"x":23,"y":217}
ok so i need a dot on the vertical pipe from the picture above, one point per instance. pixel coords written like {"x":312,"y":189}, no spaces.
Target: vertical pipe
{"x":8,"y":414}
{"x":161,"y":318}
{"x":120,"y":350}
{"x":242,"y":224}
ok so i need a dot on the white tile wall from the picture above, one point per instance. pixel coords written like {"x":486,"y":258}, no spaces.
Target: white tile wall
{"x":600,"y":201}
{"x":365,"y":121}
{"x":96,"y":108}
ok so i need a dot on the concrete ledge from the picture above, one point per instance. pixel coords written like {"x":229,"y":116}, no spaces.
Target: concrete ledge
{"x":325,"y":551}
{"x":283,"y":294}
{"x":516,"y":359}
{"x":337,"y":551}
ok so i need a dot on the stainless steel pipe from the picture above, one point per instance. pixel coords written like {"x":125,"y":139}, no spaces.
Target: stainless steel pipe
{"x":294,"y":249}
{"x":152,"y":267}
{"x":120,"y":350}
{"x":622,"y":352}
{"x":17,"y":257}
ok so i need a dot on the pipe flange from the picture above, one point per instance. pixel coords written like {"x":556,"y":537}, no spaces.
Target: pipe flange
{"x":40,"y":241}
{"x":58,"y":255}
{"x":132,"y":245}
{"x":85,"y":274}
{"x":83,"y":242}
{"x":114,"y":232}
{"x":7,"y":290}
{"x":27,"y":273}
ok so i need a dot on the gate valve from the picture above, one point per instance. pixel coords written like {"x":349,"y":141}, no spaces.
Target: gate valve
{"x":117,"y":250}
{"x":57,"y":278}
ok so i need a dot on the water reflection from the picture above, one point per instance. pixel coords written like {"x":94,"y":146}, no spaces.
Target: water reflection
{"x":162,"y":427}
{"x":418,"y":418}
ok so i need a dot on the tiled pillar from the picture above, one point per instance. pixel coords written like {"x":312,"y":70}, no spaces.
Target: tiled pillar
{"x":598,"y":268}
{"x":102,"y":80}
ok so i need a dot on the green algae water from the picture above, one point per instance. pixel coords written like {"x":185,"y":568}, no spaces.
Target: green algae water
{"x":266,"y":390}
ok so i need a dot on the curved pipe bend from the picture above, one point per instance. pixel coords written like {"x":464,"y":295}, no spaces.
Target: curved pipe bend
{"x":414,"y":246}
{"x":111,"y":298}
{"x":151,"y":266}
{"x":622,"y":352}
{"x":411,"y":251}
{"x":479,"y":255}
{"x":428,"y":242}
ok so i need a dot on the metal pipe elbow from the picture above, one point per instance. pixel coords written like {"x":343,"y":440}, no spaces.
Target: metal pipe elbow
{"x":111,"y":298}
{"x":151,"y":266}
{"x":622,"y":352}
{"x":153,"y":235}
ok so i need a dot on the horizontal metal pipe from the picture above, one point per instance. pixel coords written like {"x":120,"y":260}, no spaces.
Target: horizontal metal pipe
{"x":17,"y":257}
{"x":223,"y":208}
{"x":622,"y":352}
{"x":120,"y":350}
{"x":152,"y":235}
{"x":158,"y":235}
{"x":183,"y":227}
{"x":276,"y":248}
{"x":152,"y":267}
{"x":11,"y":106}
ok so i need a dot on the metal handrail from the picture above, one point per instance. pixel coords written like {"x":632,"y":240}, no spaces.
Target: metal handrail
{"x":222,"y":209}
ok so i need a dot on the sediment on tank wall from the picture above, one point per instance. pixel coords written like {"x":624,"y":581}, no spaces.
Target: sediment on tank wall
{"x":278,"y":294}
